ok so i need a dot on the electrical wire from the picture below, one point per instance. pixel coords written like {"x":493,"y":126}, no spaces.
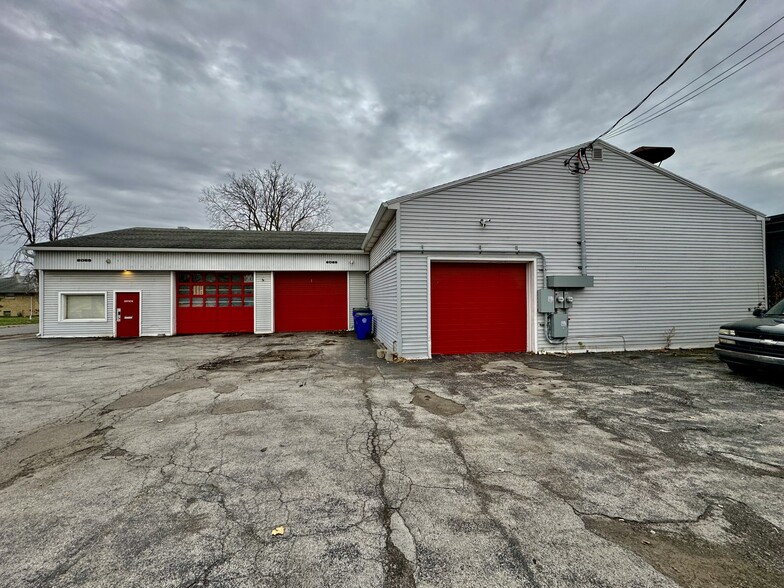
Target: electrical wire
{"x":626,"y":125}
{"x":665,"y":80}
{"x":683,"y":101}
{"x":581,"y":166}
{"x":703,"y":74}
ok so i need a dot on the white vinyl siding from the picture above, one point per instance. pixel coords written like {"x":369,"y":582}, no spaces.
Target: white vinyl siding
{"x":187,"y":261}
{"x":263,"y":302}
{"x":156,"y":297}
{"x":663,"y":254}
{"x":383,"y":292}
{"x":383,"y":287}
{"x":533,"y":211}
{"x":385,"y":244}
{"x":357,"y":295}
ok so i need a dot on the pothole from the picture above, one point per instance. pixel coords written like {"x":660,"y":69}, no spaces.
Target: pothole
{"x":265,"y":357}
{"x":153,"y":394}
{"x":46,"y":446}
{"x":693,"y":561}
{"x":434,"y":403}
{"x":225,"y":388}
{"x":239,"y":406}
{"x":116,"y":452}
{"x":502,"y":366}
{"x":287,"y":354}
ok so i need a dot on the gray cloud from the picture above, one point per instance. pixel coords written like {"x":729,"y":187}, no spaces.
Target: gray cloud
{"x":138,"y":105}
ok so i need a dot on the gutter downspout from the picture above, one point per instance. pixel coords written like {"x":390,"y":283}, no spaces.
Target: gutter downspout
{"x":765,"y":277}
{"x":423,"y":251}
{"x":581,"y":206}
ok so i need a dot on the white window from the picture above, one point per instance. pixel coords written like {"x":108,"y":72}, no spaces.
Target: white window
{"x":83,"y":307}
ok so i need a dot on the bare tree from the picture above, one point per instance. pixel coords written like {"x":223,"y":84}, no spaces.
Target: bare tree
{"x":31,"y":212}
{"x":268,"y":200}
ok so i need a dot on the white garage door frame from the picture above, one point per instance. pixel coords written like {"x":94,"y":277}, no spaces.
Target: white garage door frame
{"x":531,"y":274}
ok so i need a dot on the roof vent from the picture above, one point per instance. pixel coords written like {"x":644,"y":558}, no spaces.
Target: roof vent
{"x":597,"y":153}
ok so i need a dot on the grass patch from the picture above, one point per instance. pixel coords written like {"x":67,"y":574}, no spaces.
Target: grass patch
{"x":6,"y":321}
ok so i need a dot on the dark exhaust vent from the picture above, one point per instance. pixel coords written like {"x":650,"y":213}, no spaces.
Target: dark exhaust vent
{"x":653,"y":154}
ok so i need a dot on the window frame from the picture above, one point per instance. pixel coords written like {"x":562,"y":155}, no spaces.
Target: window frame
{"x":233,"y":289}
{"x":61,"y":308}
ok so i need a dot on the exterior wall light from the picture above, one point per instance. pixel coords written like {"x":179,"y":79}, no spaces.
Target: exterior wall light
{"x":484,"y":221}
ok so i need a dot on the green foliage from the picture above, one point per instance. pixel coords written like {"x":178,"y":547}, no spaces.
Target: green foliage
{"x":6,"y":321}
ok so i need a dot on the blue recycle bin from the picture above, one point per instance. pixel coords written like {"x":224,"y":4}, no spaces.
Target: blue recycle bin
{"x":363,"y":322}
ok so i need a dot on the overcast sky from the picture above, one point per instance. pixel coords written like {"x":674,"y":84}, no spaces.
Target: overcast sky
{"x":136,"y":105}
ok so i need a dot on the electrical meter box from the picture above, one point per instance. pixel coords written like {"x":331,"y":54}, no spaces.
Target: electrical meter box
{"x":559,"y":325}
{"x":545,"y":301}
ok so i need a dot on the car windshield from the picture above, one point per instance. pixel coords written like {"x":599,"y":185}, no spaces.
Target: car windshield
{"x":778,"y":309}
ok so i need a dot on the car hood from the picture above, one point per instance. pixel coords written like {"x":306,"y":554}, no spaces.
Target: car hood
{"x":762,"y":325}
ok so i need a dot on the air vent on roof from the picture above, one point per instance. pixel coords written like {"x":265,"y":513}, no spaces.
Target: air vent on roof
{"x":596,"y":153}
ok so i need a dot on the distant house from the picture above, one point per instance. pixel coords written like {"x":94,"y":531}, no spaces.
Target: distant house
{"x":18,"y":296}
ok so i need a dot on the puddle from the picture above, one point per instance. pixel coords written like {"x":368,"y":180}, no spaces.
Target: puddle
{"x":503,"y":366}
{"x":224,"y":388}
{"x":238,"y":406}
{"x":434,"y":403}
{"x":153,"y":394}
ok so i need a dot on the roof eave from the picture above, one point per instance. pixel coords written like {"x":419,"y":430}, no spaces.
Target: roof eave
{"x":385,"y":214}
{"x":191,"y":250}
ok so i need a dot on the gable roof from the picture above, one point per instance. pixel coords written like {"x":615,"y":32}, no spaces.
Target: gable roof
{"x":383,"y":216}
{"x":17,"y":285}
{"x":210,"y":239}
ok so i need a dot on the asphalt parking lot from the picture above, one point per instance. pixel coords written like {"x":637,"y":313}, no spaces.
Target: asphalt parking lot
{"x":306,"y":461}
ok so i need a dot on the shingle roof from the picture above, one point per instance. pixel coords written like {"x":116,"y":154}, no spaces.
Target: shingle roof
{"x":149,"y":238}
{"x":17,"y":285}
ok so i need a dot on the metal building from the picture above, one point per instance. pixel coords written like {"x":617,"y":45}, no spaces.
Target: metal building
{"x":528,"y":257}
{"x":627,"y":256}
{"x":140,"y":281}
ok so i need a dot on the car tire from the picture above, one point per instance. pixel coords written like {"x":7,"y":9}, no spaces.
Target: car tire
{"x":739,"y":368}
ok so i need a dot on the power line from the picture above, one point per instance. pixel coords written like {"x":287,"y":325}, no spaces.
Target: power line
{"x":694,"y":93}
{"x":682,"y":101}
{"x":706,"y":72}
{"x":665,"y":80}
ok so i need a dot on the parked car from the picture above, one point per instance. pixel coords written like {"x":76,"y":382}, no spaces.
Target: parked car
{"x":754,"y":343}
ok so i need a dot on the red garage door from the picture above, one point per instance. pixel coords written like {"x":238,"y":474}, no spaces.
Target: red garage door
{"x":214,"y":302}
{"x":477,"y":308}
{"x":311,"y":301}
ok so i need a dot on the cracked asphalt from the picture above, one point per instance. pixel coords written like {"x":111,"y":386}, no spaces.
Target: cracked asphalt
{"x":170,"y":461}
